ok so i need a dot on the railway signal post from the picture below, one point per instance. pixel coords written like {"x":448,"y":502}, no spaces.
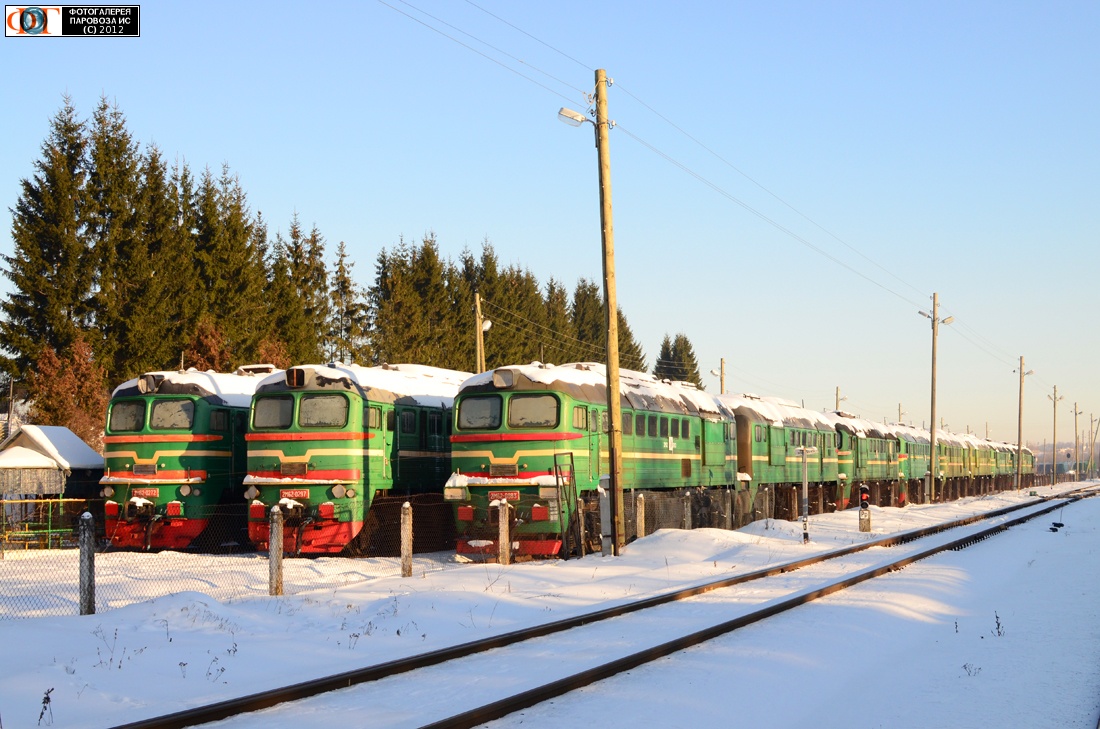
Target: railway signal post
{"x":804,"y":452}
{"x":865,"y":508}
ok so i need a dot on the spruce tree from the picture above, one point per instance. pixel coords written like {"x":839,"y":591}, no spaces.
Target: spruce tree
{"x":395,"y":307}
{"x":115,"y":237}
{"x":459,"y":279}
{"x":313,"y":290}
{"x":163,"y":306}
{"x":289,"y":329}
{"x":348,"y":330}
{"x":228,"y":266}
{"x":50,"y":268}
{"x":631,"y":356}
{"x":677,"y":361}
{"x":665,"y":367}
{"x":558,"y":341}
{"x":519,"y":310}
{"x":589,"y":322}
{"x":428,"y":336}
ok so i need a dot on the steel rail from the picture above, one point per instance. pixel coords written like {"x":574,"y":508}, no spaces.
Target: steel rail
{"x":294,"y":692}
{"x":526,"y":699}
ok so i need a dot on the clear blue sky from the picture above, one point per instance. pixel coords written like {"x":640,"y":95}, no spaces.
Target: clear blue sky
{"x":936,"y":146}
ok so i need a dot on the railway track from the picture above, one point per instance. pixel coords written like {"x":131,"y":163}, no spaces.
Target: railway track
{"x":667,"y":632}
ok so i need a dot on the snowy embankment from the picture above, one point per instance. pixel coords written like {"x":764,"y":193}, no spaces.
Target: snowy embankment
{"x":887,"y":647}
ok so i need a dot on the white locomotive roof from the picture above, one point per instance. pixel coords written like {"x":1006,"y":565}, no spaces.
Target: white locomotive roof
{"x":423,"y":385}
{"x":639,"y":388}
{"x":234,"y":388}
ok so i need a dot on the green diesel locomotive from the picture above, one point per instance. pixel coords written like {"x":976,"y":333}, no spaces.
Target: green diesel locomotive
{"x":537,"y":437}
{"x":330,"y":444}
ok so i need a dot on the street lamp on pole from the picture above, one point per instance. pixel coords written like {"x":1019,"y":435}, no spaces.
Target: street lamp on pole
{"x":721,"y":375}
{"x":839,"y":399}
{"x":930,"y":482}
{"x":614,"y":404}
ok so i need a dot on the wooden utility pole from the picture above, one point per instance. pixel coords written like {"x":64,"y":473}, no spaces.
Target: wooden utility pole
{"x":614,"y":404}
{"x":1054,"y":441}
{"x":479,"y":364}
{"x":1020,"y":425}
{"x":1076,"y":445}
{"x":722,"y":378}
{"x":930,"y":486}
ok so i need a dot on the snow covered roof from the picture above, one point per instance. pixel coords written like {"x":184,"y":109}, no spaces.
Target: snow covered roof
{"x":45,"y":446}
{"x":37,"y":459}
{"x":234,"y":389}
{"x":587,"y":381}
{"x":399,"y":383}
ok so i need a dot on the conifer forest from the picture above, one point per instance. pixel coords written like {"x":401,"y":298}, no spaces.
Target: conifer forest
{"x":124,"y":260}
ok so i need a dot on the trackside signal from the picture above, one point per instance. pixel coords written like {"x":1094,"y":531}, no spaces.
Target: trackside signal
{"x":864,"y":509}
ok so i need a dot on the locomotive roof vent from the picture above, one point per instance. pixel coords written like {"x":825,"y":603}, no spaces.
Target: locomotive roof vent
{"x":255,"y":369}
{"x":149,"y":382}
{"x":296,"y":377}
{"x":503,"y":378}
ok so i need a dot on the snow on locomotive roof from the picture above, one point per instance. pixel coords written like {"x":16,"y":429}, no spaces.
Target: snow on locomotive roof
{"x":418,"y":384}
{"x":776,"y":411}
{"x":234,"y":389}
{"x":588,"y":381}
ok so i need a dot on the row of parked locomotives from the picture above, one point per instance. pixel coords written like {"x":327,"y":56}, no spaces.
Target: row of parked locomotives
{"x":339,"y":448}
{"x":174,"y":449}
{"x":537,"y":437}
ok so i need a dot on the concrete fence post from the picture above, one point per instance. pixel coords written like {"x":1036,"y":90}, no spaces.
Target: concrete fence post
{"x":687,"y":510}
{"x":504,"y":535}
{"x":86,"y":539}
{"x":406,"y":540}
{"x":639,"y":515}
{"x":275,"y":552}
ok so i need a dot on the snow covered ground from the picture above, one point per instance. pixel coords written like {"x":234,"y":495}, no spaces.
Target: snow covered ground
{"x":1005,"y":633}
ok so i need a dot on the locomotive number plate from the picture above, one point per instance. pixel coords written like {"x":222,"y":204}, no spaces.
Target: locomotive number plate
{"x":146,"y":493}
{"x":294,"y":493}
{"x":504,"y":495}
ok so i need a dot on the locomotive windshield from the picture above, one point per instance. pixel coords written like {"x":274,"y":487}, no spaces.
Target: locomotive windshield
{"x":533,"y":411}
{"x":273,"y":412}
{"x":127,"y":417}
{"x":172,"y":415}
{"x":482,"y":411}
{"x":323,"y":411}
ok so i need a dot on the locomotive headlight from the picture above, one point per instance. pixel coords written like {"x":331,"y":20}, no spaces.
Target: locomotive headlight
{"x":108,"y":491}
{"x":339,"y":491}
{"x":251,"y":493}
{"x":185,"y":490}
{"x":351,"y":493}
{"x":197,"y":492}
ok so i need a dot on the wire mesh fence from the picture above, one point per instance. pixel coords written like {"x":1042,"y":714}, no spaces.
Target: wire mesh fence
{"x":40,"y":561}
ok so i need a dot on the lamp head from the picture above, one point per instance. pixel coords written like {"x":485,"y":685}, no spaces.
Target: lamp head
{"x":572,"y":118}
{"x":485,"y":325}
